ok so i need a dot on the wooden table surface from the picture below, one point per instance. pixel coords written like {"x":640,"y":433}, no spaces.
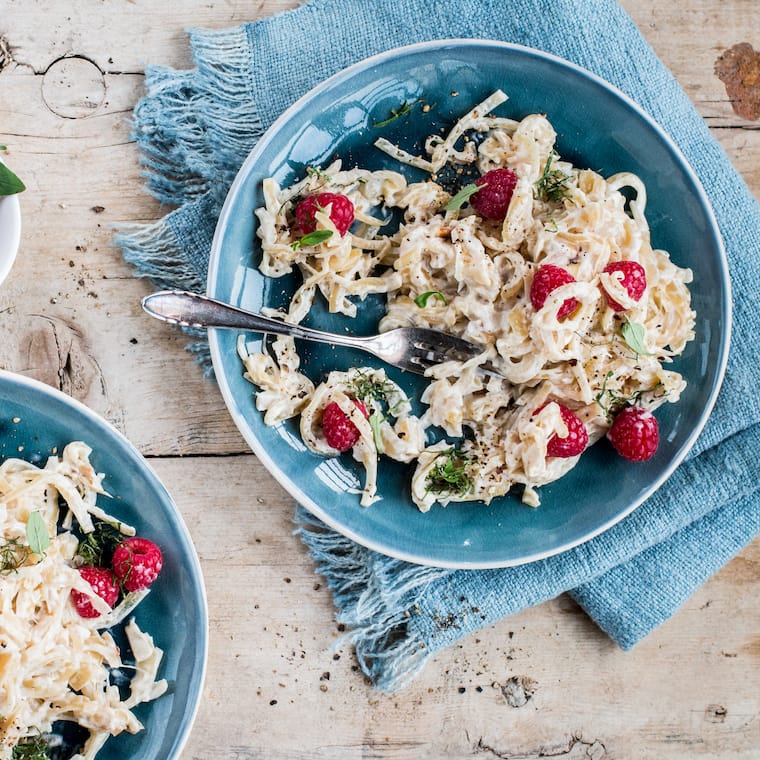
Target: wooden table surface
{"x":70,"y":73}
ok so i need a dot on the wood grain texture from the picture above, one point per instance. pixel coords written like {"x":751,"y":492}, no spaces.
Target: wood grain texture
{"x":282,"y":684}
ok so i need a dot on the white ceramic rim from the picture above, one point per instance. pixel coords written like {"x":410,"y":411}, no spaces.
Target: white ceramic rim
{"x":10,"y":232}
{"x":259,"y":449}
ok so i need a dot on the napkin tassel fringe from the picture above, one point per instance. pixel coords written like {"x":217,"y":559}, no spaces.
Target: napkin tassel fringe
{"x":152,"y":250}
{"x":231,"y":117}
{"x":177,"y":161}
{"x":374,"y":597}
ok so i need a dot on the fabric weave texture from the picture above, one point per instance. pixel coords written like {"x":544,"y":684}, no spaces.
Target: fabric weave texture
{"x":195,"y":128}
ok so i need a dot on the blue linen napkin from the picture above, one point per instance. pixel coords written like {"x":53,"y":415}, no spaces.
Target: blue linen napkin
{"x":194,"y":129}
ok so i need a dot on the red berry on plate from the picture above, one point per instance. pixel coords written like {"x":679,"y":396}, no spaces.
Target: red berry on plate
{"x":634,"y":434}
{"x":634,"y":280}
{"x":341,"y":212}
{"x":137,"y":563}
{"x":493,"y":200}
{"x":577,"y":436}
{"x":547,"y":278}
{"x":105,"y":586}
{"x":339,"y":431}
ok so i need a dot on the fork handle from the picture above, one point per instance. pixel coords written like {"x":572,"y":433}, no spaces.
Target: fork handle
{"x":180,"y":307}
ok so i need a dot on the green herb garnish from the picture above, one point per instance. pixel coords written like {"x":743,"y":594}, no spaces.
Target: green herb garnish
{"x":423,"y":298}
{"x":375,"y":420}
{"x":311,"y":238}
{"x":13,"y":554}
{"x":459,"y":199}
{"x":10,"y":184}
{"x":315,"y":171}
{"x":552,"y":184}
{"x":633,"y":334}
{"x":450,"y":474}
{"x":610,"y":402}
{"x":37,"y":533}
{"x":366,"y":389}
{"x":97,"y":547}
{"x":31,"y":748}
{"x":403,"y":110}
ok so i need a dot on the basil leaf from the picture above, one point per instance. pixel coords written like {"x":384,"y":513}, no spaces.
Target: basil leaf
{"x":458,"y":200}
{"x":312,"y":238}
{"x":423,"y":298}
{"x":37,"y":533}
{"x":10,"y":184}
{"x":633,"y":334}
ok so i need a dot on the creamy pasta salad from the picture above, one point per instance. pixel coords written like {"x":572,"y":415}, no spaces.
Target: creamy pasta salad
{"x":546,"y":265}
{"x":69,"y":572}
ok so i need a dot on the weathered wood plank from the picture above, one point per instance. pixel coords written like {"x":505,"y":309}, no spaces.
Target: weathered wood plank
{"x":682,"y":692}
{"x":543,"y":683}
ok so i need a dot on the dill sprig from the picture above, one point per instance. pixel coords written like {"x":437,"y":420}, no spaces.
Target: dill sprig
{"x":13,"y":555}
{"x":316,"y":171}
{"x":31,"y":748}
{"x":366,"y":389}
{"x":450,"y":474}
{"x":610,"y":402}
{"x":552,"y":185}
{"x":97,"y":547}
{"x":396,"y":113}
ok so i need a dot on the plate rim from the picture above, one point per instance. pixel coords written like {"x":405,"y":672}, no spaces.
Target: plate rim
{"x":258,"y":448}
{"x":8,"y":377}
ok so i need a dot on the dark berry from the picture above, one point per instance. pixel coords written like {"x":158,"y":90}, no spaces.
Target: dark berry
{"x":548,"y":278}
{"x":577,"y":436}
{"x":137,"y":563}
{"x":492,"y":201}
{"x":103,"y":583}
{"x":338,"y":429}
{"x":634,"y":280}
{"x":634,"y":434}
{"x":341,"y":212}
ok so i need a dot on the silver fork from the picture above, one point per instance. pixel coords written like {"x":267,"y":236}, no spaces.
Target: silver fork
{"x":410,"y":348}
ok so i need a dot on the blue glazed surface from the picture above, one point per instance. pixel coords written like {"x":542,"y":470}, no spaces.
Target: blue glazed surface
{"x":37,"y":419}
{"x":597,"y":127}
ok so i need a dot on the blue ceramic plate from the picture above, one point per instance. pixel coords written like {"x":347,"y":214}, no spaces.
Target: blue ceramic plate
{"x":34,"y":420}
{"x":598,"y":127}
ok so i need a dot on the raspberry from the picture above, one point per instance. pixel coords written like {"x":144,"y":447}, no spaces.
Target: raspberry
{"x":493,"y":200}
{"x":339,"y":431}
{"x":137,"y":563}
{"x":575,"y":441}
{"x":341,"y":212}
{"x":634,"y":280}
{"x":634,"y":434}
{"x":103,"y":583}
{"x":547,"y":278}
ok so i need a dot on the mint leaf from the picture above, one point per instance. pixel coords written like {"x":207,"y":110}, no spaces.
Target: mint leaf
{"x":312,"y":238}
{"x":10,"y":184}
{"x":633,"y":334}
{"x":37,"y":533}
{"x":458,"y":200}
{"x":423,"y":298}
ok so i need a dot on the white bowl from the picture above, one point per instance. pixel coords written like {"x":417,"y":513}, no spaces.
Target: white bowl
{"x":10,"y":232}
